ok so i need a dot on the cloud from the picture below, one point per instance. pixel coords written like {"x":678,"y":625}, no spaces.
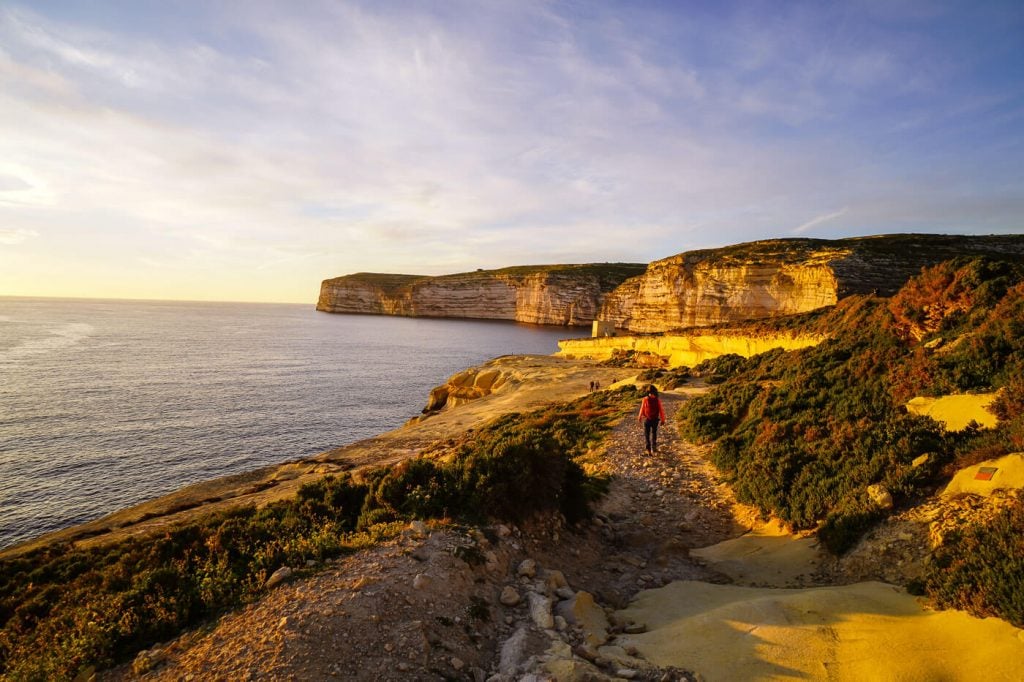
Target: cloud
{"x":12,"y":183}
{"x":467,"y":134}
{"x":818,"y":220}
{"x":11,"y":236}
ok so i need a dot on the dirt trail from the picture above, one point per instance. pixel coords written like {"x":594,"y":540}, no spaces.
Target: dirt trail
{"x":415,"y":609}
{"x":659,"y":507}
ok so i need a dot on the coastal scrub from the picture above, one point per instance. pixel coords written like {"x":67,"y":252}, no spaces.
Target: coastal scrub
{"x":803,"y":434}
{"x":64,"y":609}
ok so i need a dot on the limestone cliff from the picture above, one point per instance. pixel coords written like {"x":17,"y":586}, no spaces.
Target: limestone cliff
{"x":688,"y":349}
{"x":781,"y":277}
{"x":553,"y":294}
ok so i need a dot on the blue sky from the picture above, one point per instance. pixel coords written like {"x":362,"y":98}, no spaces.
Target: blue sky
{"x":247,"y":150}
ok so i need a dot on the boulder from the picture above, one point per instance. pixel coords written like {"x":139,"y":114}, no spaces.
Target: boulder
{"x":509,"y":596}
{"x":581,"y":610}
{"x":880,"y":496}
{"x":512,"y":653}
{"x":540,"y":611}
{"x":278,"y":577}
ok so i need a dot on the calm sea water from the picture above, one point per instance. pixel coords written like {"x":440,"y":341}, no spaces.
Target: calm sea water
{"x":104,"y":404}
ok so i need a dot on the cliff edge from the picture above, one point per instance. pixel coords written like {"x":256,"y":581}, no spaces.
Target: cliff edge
{"x":777,"y":277}
{"x":567,"y":295}
{"x":755,"y":280}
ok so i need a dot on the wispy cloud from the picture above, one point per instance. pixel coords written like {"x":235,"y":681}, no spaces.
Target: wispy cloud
{"x":818,"y":220}
{"x":12,"y":236}
{"x":463,"y":135}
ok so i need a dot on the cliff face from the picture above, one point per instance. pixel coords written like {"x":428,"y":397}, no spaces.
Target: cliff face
{"x":692,"y":289}
{"x":781,"y":277}
{"x":687,"y":350}
{"x":557,"y":295}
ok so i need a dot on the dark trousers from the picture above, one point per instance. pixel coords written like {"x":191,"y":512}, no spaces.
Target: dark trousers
{"x":651,"y":434}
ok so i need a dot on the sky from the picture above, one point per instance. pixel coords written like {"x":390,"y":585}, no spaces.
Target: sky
{"x":245,"y":151}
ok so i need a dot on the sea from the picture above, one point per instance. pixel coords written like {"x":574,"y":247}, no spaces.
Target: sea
{"x":107,"y":403}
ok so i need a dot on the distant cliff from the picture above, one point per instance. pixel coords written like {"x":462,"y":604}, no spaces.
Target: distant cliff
{"x":781,"y":277}
{"x":543,"y":294}
{"x":692,"y":289}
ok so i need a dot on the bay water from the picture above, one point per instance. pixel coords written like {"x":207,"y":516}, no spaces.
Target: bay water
{"x":104,"y":404}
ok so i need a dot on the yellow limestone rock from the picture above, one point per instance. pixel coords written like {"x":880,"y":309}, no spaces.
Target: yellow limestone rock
{"x":686,"y":350}
{"x":486,"y":379}
{"x":466,"y":386}
{"x":982,"y":479}
{"x":956,"y":411}
{"x":866,"y":631}
{"x":767,"y":555}
{"x":583,"y":611}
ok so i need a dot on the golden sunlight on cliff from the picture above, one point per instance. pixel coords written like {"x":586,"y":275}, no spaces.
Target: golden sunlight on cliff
{"x":686,"y":350}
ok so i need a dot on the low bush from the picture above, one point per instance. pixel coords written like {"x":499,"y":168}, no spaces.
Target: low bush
{"x":666,"y":379}
{"x":802,"y":434}
{"x":981,"y":569}
{"x":717,"y":370}
{"x":64,"y":609}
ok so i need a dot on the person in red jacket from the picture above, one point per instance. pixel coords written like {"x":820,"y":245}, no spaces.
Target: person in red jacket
{"x":651,"y":412}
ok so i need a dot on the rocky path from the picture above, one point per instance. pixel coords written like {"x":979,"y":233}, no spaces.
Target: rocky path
{"x":524,"y":603}
{"x":659,"y":507}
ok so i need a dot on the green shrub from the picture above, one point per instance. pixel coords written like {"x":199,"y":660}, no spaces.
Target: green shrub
{"x":666,"y":379}
{"x":64,"y":609}
{"x":716,"y":370}
{"x":981,"y":570}
{"x":802,"y":434}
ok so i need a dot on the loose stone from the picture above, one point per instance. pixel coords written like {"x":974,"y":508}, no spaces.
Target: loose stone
{"x":509,"y":596}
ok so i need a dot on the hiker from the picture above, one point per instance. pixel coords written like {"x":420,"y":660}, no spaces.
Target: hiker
{"x":591,"y":386}
{"x":651,"y":412}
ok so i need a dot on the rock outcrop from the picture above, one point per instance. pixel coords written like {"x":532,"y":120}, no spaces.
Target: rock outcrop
{"x":781,"y":277}
{"x":546,"y":294}
{"x":465,"y":386}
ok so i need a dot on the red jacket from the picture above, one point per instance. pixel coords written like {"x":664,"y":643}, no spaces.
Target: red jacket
{"x":650,"y":408}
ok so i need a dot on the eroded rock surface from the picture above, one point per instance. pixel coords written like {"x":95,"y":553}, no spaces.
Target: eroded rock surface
{"x":780,"y":277}
{"x":696,"y":288}
{"x":558,"y":295}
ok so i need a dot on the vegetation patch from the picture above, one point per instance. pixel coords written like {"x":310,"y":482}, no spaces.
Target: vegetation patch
{"x":64,"y":609}
{"x":981,"y":569}
{"x":667,"y":379}
{"x":803,"y":434}
{"x":607,"y":276}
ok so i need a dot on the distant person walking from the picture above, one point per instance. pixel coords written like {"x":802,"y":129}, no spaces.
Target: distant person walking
{"x":651,"y":412}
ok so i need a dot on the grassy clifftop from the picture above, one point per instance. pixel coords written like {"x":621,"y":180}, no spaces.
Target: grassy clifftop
{"x":608,"y":275}
{"x":909,"y":247}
